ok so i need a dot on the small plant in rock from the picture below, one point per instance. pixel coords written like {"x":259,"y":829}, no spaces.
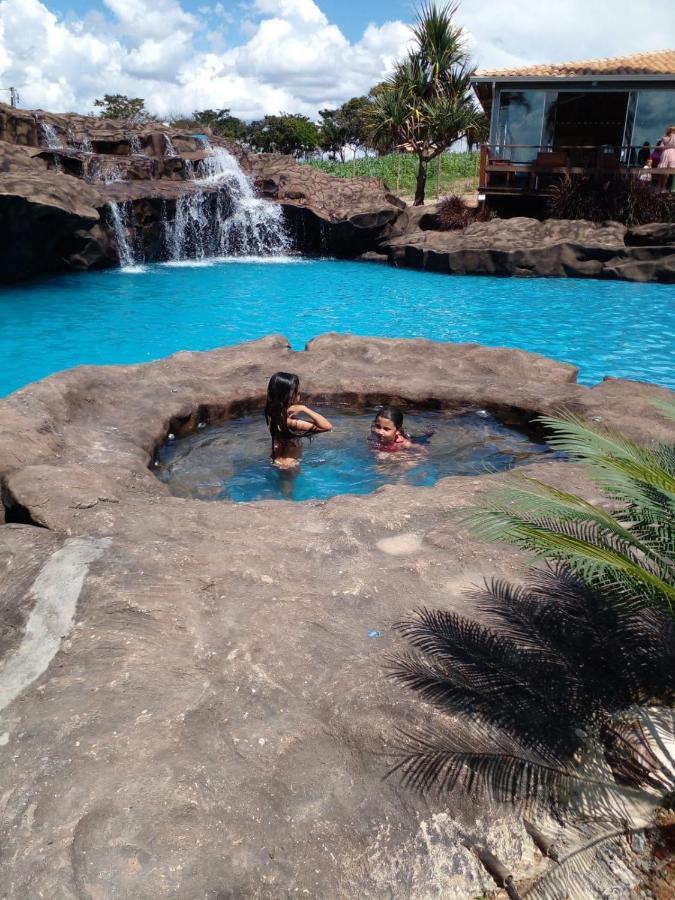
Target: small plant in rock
{"x":557,"y":701}
{"x":452,"y":213}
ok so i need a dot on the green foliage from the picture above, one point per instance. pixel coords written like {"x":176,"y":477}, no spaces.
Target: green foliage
{"x":291,"y":134}
{"x":218,"y":121}
{"x":403,"y":167}
{"x":221,"y":123}
{"x":346,"y":126}
{"x":550,"y":702}
{"x":332,"y":136}
{"x":602,"y":197}
{"x":560,"y":697}
{"x":629,"y":548}
{"x":428,"y":103}
{"x":119,"y":106}
{"x":353,"y":119}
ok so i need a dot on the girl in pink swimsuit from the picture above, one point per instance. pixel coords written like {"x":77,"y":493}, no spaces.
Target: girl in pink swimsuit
{"x":387,"y":432}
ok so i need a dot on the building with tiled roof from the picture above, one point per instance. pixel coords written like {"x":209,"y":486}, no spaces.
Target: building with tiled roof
{"x":573,"y":117}
{"x":658,"y":63}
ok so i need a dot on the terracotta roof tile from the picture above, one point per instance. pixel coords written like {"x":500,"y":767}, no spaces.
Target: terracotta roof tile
{"x":659,"y":62}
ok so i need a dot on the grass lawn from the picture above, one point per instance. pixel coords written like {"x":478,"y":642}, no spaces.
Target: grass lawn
{"x":450,"y":173}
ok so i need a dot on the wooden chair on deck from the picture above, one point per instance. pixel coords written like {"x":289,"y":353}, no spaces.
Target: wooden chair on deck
{"x":549,"y":164}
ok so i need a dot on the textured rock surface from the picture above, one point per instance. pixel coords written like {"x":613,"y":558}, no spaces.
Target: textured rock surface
{"x":335,"y":216}
{"x":523,"y":246}
{"x":212,"y":723}
{"x":48,"y":221}
{"x":341,"y":217}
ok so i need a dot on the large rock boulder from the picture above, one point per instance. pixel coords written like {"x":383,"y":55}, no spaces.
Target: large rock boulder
{"x":49,"y":222}
{"x":523,"y":246}
{"x":340,"y":216}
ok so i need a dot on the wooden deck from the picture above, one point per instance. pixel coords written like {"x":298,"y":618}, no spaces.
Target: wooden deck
{"x":499,"y":175}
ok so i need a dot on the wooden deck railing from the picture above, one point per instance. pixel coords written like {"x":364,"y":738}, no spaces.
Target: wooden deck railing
{"x":502,"y":172}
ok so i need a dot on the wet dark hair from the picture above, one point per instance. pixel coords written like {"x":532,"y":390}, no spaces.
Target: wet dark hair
{"x":394,"y":414}
{"x":281,"y":389}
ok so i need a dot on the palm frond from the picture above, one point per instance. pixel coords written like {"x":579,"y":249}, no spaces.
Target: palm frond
{"x":490,"y":766}
{"x":570,"y":878}
{"x":666,"y":407}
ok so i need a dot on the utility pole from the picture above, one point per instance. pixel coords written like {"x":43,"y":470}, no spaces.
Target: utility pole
{"x":14,"y":98}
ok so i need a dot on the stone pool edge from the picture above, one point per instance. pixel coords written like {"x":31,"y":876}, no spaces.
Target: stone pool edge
{"x":90,"y":433}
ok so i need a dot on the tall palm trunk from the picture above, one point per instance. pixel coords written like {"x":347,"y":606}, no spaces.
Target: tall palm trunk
{"x":421,"y":181}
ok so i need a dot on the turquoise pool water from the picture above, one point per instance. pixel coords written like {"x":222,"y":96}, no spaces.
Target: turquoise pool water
{"x":231,"y":461}
{"x":117,"y":316}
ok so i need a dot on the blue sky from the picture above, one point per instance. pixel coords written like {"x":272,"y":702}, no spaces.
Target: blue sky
{"x":271,"y":56}
{"x":350,"y":16}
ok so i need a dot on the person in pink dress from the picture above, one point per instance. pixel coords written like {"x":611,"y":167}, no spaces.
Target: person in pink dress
{"x":667,"y":160}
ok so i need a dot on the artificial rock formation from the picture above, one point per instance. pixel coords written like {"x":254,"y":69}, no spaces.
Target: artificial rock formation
{"x":193,"y":700}
{"x":60,"y":173}
{"x":523,"y":246}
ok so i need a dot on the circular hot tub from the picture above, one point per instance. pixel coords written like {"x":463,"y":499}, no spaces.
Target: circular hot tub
{"x":231,"y":461}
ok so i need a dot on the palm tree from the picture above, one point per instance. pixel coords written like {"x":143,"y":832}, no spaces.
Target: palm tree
{"x":427,"y":104}
{"x":559,"y":699}
{"x":562,"y":694}
{"x":628,"y":548}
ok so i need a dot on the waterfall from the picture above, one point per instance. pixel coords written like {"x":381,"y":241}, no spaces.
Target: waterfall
{"x":84,"y":145}
{"x":120,"y":218}
{"x":50,"y":136}
{"x":135,"y":145}
{"x":169,"y":149}
{"x":221,"y":216}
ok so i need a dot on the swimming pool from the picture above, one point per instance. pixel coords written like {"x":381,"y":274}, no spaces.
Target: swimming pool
{"x":118,"y":316}
{"x":231,"y":461}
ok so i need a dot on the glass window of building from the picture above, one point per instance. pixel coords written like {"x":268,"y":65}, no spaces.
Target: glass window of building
{"x":655,"y":112}
{"x":519,"y":124}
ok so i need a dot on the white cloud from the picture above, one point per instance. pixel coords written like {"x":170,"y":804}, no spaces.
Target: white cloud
{"x":151,"y":18}
{"x":290,"y":58}
{"x":520,"y":32}
{"x":295,"y":60}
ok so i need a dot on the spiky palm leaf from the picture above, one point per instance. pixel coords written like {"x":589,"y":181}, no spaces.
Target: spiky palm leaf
{"x":551,"y":698}
{"x":630,"y":547}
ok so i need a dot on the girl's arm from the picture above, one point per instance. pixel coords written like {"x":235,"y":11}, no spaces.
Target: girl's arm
{"x":317,"y":423}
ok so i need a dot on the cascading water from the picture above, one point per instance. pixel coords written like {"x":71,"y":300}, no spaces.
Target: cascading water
{"x":213,"y":222}
{"x":52,"y":141}
{"x":50,"y":137}
{"x":169,"y":149}
{"x":120,"y":214}
{"x":120,"y":218}
{"x":135,"y":145}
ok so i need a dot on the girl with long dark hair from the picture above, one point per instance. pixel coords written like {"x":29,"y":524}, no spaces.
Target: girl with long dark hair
{"x":282,"y":414}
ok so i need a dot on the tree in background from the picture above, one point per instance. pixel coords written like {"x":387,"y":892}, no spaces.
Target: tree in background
{"x":428,"y":104}
{"x":221,"y":123}
{"x":332,"y":134}
{"x":353,"y":119}
{"x":294,"y":135}
{"x":119,"y":106}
